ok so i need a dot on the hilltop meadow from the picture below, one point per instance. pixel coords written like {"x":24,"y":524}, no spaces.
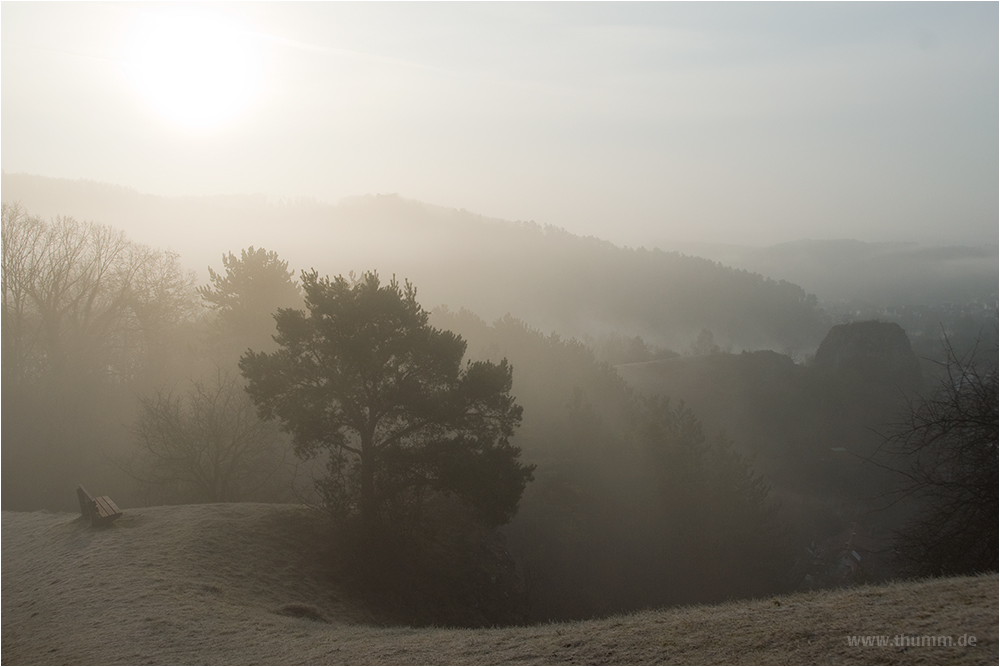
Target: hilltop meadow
{"x":233,"y":584}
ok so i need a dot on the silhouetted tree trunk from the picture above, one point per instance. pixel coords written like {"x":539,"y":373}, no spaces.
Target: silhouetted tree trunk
{"x":366,"y":378}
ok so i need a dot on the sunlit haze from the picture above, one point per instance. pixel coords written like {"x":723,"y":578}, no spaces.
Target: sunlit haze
{"x":644,"y":124}
{"x":499,"y":332}
{"x":193,"y":69}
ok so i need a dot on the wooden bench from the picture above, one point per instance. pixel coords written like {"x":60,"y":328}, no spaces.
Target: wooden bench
{"x":101,"y":510}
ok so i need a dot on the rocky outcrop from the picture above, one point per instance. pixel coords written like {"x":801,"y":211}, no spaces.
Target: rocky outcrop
{"x":879,"y":352}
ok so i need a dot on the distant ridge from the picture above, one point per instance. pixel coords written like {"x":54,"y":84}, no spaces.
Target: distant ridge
{"x":550,"y":278}
{"x":838,"y":271}
{"x":877,"y":274}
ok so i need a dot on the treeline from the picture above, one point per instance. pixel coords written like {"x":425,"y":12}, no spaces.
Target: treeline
{"x":120,"y":372}
{"x":90,"y":320}
{"x":557,"y":281}
{"x":550,"y":278}
{"x":878,"y":458}
{"x":633,"y":503}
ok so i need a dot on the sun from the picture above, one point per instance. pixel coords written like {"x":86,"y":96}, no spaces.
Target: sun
{"x":194,"y":69}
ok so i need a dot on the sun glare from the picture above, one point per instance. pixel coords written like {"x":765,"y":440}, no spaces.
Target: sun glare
{"x":195,"y":70}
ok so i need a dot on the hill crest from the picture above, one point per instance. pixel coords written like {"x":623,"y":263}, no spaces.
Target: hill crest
{"x":234,"y":584}
{"x":552,"y":279}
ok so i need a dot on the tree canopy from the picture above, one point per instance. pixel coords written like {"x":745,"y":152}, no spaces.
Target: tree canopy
{"x":246,"y":295}
{"x":363,"y":377}
{"x":89,"y":317}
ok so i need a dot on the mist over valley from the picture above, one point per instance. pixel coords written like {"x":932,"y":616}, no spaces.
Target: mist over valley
{"x":499,"y":332}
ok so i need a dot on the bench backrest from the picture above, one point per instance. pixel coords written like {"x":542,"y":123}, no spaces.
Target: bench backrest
{"x":86,"y":502}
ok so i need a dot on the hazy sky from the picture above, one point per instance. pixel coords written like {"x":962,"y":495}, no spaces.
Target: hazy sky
{"x":745,"y":123}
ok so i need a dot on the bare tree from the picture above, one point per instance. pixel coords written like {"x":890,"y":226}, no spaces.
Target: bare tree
{"x":80,"y":297}
{"x":205,"y":445}
{"x":88,"y":318}
{"x":947,"y":453}
{"x":23,"y":237}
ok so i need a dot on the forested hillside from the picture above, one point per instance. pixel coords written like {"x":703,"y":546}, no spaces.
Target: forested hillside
{"x":600,"y":333}
{"x":727,"y":475}
{"x":549,"y":278}
{"x":926,"y":290}
{"x":633,"y":504}
{"x":812,"y":430}
{"x":120,"y":373}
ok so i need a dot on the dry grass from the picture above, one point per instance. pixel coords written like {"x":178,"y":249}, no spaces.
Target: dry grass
{"x":234,"y":584}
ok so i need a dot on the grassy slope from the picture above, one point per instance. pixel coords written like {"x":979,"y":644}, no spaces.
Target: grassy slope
{"x":215,"y":584}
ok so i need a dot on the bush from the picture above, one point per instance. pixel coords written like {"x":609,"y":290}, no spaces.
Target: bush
{"x":448,"y":569}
